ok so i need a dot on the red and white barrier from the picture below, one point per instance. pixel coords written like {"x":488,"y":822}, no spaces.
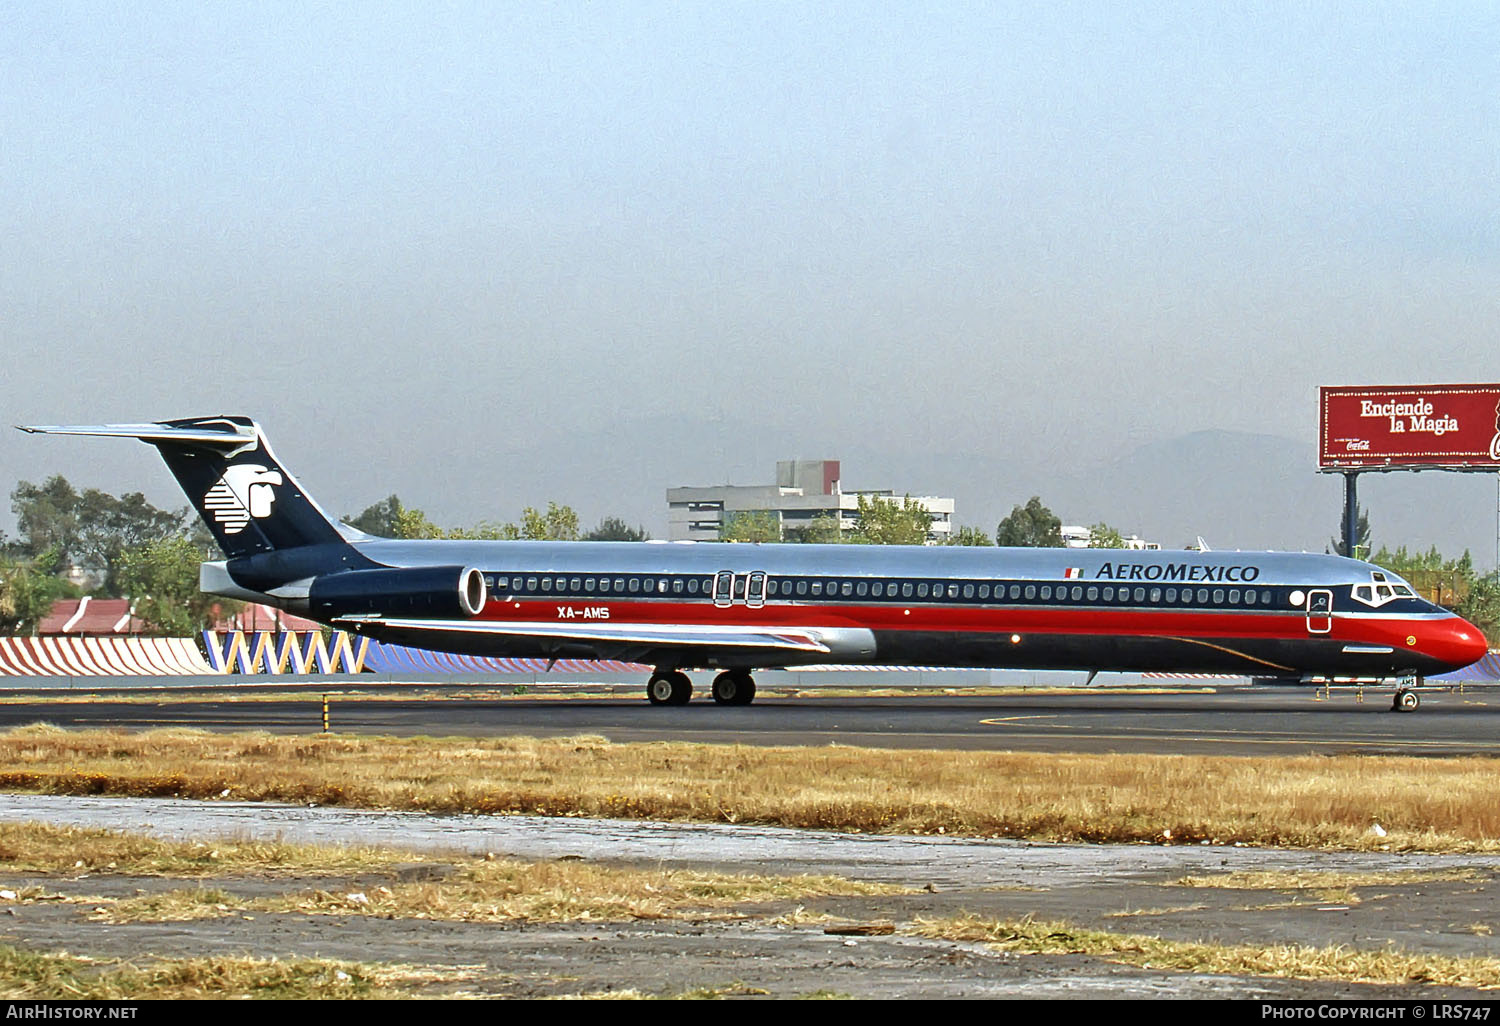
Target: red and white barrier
{"x":101,"y":657}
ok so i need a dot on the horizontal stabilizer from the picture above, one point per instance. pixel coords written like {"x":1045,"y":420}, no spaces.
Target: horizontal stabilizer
{"x":230,"y":435}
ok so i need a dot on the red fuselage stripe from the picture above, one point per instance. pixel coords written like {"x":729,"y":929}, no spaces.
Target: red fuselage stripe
{"x":1366,"y":629}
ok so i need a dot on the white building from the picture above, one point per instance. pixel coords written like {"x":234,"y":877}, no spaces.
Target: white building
{"x":1075,"y":537}
{"x":804,"y":491}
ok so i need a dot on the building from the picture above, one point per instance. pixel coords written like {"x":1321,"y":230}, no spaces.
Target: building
{"x":804,"y":491}
{"x":1075,"y":537}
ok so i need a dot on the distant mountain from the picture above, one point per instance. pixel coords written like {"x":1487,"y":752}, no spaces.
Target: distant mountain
{"x":1235,"y":489}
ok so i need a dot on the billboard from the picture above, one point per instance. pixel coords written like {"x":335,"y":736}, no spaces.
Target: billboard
{"x":1409,"y":427}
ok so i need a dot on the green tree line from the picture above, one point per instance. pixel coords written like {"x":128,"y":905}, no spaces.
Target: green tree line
{"x":134,"y":550}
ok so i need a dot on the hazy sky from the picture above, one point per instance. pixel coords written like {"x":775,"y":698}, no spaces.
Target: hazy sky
{"x":420,"y":242}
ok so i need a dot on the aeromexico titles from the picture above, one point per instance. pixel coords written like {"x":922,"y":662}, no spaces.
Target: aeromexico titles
{"x":736,"y":608}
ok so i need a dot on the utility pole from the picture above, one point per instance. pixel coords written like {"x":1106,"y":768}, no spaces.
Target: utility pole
{"x":1351,"y":516}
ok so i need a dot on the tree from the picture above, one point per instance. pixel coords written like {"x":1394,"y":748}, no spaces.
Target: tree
{"x":379,"y":518}
{"x":413,"y":523}
{"x":162,"y":577}
{"x":389,"y":518}
{"x":47,"y":517}
{"x":1481,"y":606}
{"x":1362,"y":538}
{"x":1102,"y":536}
{"x":1032,"y":525}
{"x":753,"y":525}
{"x":969,"y":536}
{"x":27,"y":590}
{"x":885,"y":521}
{"x":488,"y":530}
{"x":559,"y":523}
{"x":1445,"y":581}
{"x":820,"y":530}
{"x":108,"y":526}
{"x":90,"y":529}
{"x":615,"y":529}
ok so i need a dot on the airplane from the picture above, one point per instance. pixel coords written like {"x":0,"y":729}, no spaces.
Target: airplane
{"x":736,"y":608}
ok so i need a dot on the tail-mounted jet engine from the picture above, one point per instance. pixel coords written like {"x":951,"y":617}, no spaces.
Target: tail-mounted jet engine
{"x":436,"y":591}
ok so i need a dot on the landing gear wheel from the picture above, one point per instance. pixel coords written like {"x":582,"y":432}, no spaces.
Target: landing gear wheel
{"x":734,"y":687}
{"x":669,"y":688}
{"x":1406,"y":700}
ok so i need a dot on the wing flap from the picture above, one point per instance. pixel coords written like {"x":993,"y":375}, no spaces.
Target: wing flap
{"x":786,"y":640}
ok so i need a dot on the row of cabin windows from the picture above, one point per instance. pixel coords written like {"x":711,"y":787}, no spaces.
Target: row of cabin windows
{"x":803,"y":588}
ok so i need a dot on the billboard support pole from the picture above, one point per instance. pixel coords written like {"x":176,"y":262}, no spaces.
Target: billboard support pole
{"x":1351,"y":515}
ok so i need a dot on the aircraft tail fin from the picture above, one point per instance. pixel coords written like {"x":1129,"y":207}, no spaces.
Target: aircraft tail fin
{"x":224,"y":464}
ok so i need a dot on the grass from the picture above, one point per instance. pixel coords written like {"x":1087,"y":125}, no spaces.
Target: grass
{"x":1323,"y":880}
{"x":1350,"y":965}
{"x":60,"y":976}
{"x":1328,"y":887}
{"x":44,"y":848}
{"x":474,"y":889}
{"x":1306,"y":801}
{"x":508,"y":890}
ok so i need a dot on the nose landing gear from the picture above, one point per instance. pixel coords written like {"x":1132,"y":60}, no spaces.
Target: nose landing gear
{"x":1405,"y":700}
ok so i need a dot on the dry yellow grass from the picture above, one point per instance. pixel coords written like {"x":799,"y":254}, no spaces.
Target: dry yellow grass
{"x":1294,"y":961}
{"x":507,"y":890}
{"x":1422,"y":804}
{"x":63,"y":977}
{"x":45,"y":848}
{"x":1318,"y":880}
{"x":470,"y":888}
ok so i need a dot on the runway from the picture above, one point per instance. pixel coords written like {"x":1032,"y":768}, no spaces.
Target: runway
{"x":1232,"y":721}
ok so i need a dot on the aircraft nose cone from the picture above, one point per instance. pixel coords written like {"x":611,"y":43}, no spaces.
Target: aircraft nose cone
{"x":1461,"y":644}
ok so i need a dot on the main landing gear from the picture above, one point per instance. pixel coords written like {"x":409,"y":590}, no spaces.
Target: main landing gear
{"x":672,"y":687}
{"x":1406,"y":700}
{"x":734,"y":687}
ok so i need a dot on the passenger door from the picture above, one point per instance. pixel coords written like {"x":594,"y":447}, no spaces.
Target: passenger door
{"x":1319,"y":611}
{"x":732,"y":589}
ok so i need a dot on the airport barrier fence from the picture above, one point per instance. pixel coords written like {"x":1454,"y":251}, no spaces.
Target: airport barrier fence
{"x":101,"y":657}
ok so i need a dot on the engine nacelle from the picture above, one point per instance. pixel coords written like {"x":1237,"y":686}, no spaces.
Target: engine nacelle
{"x":435,"y":591}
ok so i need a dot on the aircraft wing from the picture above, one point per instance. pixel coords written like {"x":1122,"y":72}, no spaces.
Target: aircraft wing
{"x":624,"y":634}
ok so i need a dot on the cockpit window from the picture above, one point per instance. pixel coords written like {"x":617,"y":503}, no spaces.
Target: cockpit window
{"x":1380,"y":590}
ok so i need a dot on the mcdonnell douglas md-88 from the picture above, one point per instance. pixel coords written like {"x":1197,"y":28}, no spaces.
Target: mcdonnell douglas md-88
{"x":738,"y":608}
